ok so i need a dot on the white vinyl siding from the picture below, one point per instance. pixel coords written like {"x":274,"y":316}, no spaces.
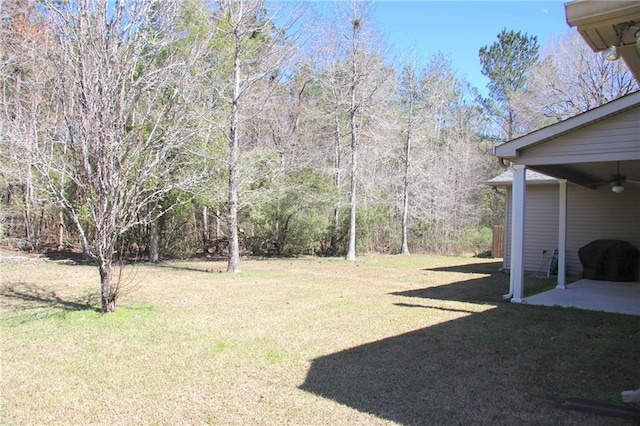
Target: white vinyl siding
{"x":607,"y":134}
{"x":591,"y":215}
{"x":508,"y":203}
{"x":601,"y":214}
{"x":616,"y":135}
{"x":541,"y":225}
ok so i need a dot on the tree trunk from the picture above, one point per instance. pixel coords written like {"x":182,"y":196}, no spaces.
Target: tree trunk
{"x":9,"y":200}
{"x":154,"y":238}
{"x":218,"y":231}
{"x":29,"y":227}
{"x":233,"y":264}
{"x":205,"y":227}
{"x":86,"y":253}
{"x":60,"y":229}
{"x":337,"y":180}
{"x":351,"y":251}
{"x":405,"y":189}
{"x":108,"y":288}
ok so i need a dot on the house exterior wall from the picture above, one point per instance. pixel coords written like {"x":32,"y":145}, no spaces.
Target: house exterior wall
{"x":591,"y":215}
{"x":541,"y":225}
{"x":590,"y":143}
{"x":601,"y":214}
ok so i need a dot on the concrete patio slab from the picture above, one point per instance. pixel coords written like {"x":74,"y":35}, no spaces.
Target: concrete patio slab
{"x":606,"y":296}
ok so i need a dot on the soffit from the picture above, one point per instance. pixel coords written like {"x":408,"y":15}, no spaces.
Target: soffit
{"x":596,"y":21}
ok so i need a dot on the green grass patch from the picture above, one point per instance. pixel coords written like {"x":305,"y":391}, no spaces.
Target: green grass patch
{"x":383,"y":340}
{"x":275,"y":356}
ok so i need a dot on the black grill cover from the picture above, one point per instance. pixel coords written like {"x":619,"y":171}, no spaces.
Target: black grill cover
{"x":609,"y":260}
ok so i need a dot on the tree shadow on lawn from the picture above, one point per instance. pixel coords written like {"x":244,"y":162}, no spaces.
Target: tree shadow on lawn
{"x":68,"y":257}
{"x":213,"y":269}
{"x":31,"y":296}
{"x":512,"y":364}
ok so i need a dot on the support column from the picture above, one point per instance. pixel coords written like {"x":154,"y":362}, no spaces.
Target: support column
{"x":517,"y":232}
{"x":562,"y":235}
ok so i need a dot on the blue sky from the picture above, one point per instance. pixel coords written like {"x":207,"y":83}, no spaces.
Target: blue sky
{"x":460,"y":28}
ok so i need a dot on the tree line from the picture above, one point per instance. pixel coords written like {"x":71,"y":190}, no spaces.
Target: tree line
{"x":221,"y":128}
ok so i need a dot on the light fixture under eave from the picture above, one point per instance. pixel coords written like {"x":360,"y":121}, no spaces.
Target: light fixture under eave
{"x":611,"y":54}
{"x":636,"y":33}
{"x":617,"y":188}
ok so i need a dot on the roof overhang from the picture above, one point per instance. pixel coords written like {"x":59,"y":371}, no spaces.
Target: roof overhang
{"x":581,"y":168}
{"x":511,"y":150}
{"x":597,"y":22}
{"x":533,"y":178}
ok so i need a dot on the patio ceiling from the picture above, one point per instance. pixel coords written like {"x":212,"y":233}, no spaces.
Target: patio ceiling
{"x":594,"y":175}
{"x":599,"y":23}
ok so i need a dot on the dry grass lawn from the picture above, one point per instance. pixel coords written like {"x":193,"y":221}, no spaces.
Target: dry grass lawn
{"x":384,"y":340}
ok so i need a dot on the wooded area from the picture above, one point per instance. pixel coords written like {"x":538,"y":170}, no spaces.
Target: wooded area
{"x":143,"y":129}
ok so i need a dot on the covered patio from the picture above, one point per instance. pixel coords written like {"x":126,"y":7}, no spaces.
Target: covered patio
{"x":594,"y":199}
{"x":593,"y":156}
{"x":578,"y":152}
{"x":604,"y":296}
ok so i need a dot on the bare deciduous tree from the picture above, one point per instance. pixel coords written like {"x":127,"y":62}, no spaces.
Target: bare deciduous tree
{"x":253,"y":50}
{"x":411,"y":95}
{"x":446,"y":159}
{"x":331,"y":119}
{"x":25,"y":84}
{"x":572,"y":79}
{"x":363,"y":78}
{"x":119,"y":142}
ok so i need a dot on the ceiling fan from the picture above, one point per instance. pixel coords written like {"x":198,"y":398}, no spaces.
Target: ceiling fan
{"x":617,"y":181}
